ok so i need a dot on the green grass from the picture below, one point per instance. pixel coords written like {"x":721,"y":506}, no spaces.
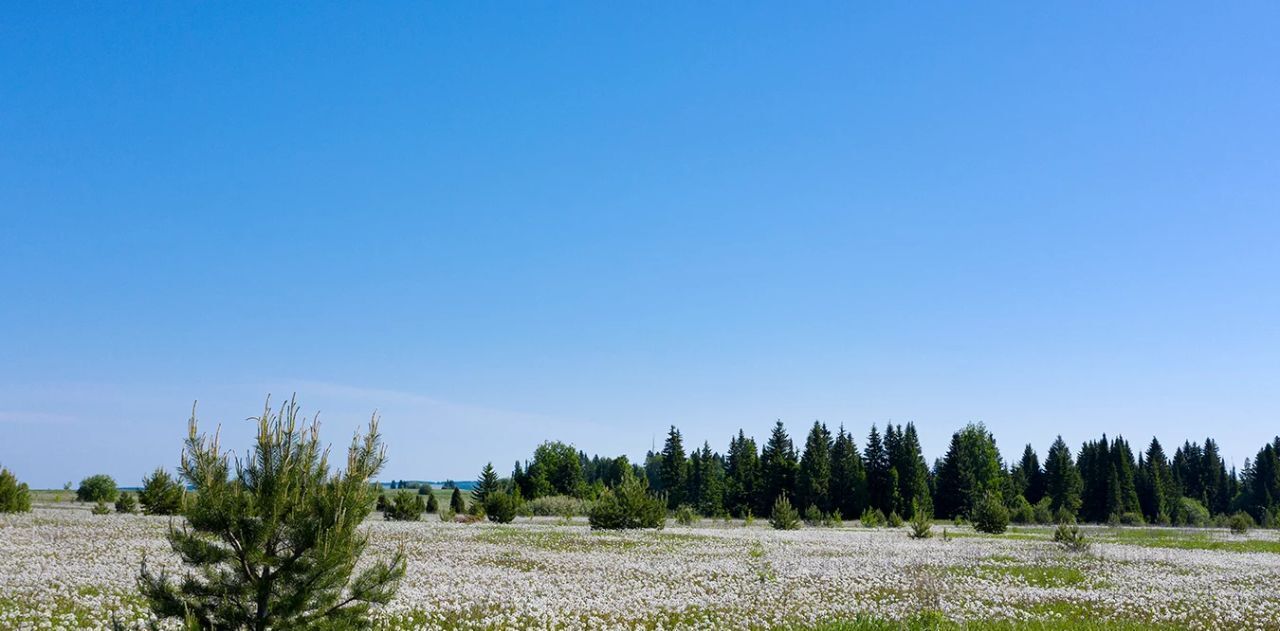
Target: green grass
{"x":1187,"y":540}
{"x":1076,"y":619}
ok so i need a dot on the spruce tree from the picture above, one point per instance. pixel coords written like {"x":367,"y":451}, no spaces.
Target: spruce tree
{"x":1062,"y":479}
{"x":777,"y":467}
{"x":813,"y":481}
{"x":848,"y":476}
{"x":674,"y":469}
{"x":488,"y":483}
{"x":880,"y":487}
{"x":457,"y":505}
{"x":907,"y":459}
{"x":1028,"y":477}
{"x":742,"y":472}
{"x":274,"y":542}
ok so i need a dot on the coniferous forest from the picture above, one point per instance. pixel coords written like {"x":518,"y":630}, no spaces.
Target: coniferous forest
{"x":1106,"y":480}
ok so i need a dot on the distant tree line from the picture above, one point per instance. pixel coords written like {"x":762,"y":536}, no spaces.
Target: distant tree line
{"x":1104,"y":481}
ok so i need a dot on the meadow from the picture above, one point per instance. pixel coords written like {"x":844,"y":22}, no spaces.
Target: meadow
{"x":63,"y":568}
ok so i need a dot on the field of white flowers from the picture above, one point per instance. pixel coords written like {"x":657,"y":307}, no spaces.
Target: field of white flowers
{"x":63,"y":568}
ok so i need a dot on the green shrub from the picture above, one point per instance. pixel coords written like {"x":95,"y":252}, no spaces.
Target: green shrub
{"x":558,"y":506}
{"x":1132,"y":519}
{"x":126,"y":504}
{"x":1189,"y":512}
{"x":833,"y":519}
{"x":446,"y":515}
{"x":921,"y":523}
{"x":97,"y":488}
{"x":425,"y":489}
{"x":872,"y":518}
{"x":893,"y":520}
{"x":784,"y":516}
{"x":456,"y":503}
{"x":15,"y":497}
{"x":1042,"y":511}
{"x":1240,"y":523}
{"x":628,"y":505}
{"x":404,"y":506}
{"x":161,"y":494}
{"x":101,"y":508}
{"x":685,"y":515}
{"x":990,"y":515}
{"x":1069,"y":536}
{"x":500,"y":507}
{"x":748,"y":519}
{"x":1022,"y":512}
{"x":433,"y":504}
{"x":813,"y":516}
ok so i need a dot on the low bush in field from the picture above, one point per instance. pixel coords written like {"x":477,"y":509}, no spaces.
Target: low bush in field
{"x":557,"y":506}
{"x":784,"y":516}
{"x":126,"y":504}
{"x":97,"y":488}
{"x":990,"y":515}
{"x":500,"y":507}
{"x":405,"y":506}
{"x":873,"y":518}
{"x":15,"y":497}
{"x":685,"y":515}
{"x":1240,"y":523}
{"x":1189,"y":512}
{"x":161,"y":494}
{"x":627,"y":506}
{"x":1069,"y":536}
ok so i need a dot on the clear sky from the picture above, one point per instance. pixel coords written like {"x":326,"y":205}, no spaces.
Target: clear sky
{"x":499,"y":223}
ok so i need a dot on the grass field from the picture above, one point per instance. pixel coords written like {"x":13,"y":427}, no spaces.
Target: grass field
{"x":63,"y":568}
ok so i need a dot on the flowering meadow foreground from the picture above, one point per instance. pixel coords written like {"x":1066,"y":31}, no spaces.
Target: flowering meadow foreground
{"x":63,"y":568}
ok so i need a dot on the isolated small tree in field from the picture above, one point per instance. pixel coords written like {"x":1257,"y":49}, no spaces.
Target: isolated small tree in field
{"x":488,"y":483}
{"x":126,"y":504}
{"x":15,"y":497}
{"x":161,"y":493}
{"x":500,"y":507}
{"x":921,"y":522}
{"x":97,"y":488}
{"x":101,"y":508}
{"x":784,"y":516}
{"x":425,"y":489}
{"x":404,"y":506}
{"x":456,"y":503}
{"x":628,"y":505}
{"x":273,"y":543}
{"x":1070,"y":537}
{"x":990,"y":515}
{"x":433,"y":504}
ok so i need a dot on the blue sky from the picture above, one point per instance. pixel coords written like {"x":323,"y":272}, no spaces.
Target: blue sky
{"x":498,"y":224}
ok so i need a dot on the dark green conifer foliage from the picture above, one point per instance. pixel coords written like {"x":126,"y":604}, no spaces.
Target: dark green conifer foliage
{"x":15,"y":497}
{"x":488,"y":483}
{"x":1062,"y":480}
{"x":813,"y":482}
{"x":742,"y":472}
{"x":161,"y":493}
{"x":273,"y":544}
{"x":881,"y":489}
{"x":674,"y":469}
{"x":848,"y":476}
{"x":778,"y":466}
{"x":456,"y":502}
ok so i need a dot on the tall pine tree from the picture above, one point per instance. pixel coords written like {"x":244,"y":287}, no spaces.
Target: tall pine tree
{"x":673,"y":470}
{"x":814,"y":479}
{"x":778,"y":468}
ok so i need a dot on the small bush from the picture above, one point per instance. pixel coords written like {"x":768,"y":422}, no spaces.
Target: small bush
{"x":404,"y":506}
{"x":813,"y":516}
{"x":500,"y":507}
{"x":748,"y":519}
{"x":872,"y":518}
{"x":1042,"y":512}
{"x":433,"y":504}
{"x":1132,"y":519}
{"x":685,"y":515}
{"x":784,"y":516}
{"x":629,"y":505}
{"x":456,"y":502}
{"x":126,"y":504}
{"x":557,"y":506}
{"x":425,"y":489}
{"x":1113,"y":520}
{"x":1022,"y":512}
{"x":1189,"y":512}
{"x":1069,"y":536}
{"x":15,"y":497}
{"x":1240,"y":523}
{"x":161,"y":494}
{"x":833,"y":519}
{"x":921,"y":523}
{"x":990,"y":515}
{"x":893,"y":520}
{"x":97,"y":488}
{"x":101,"y":508}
